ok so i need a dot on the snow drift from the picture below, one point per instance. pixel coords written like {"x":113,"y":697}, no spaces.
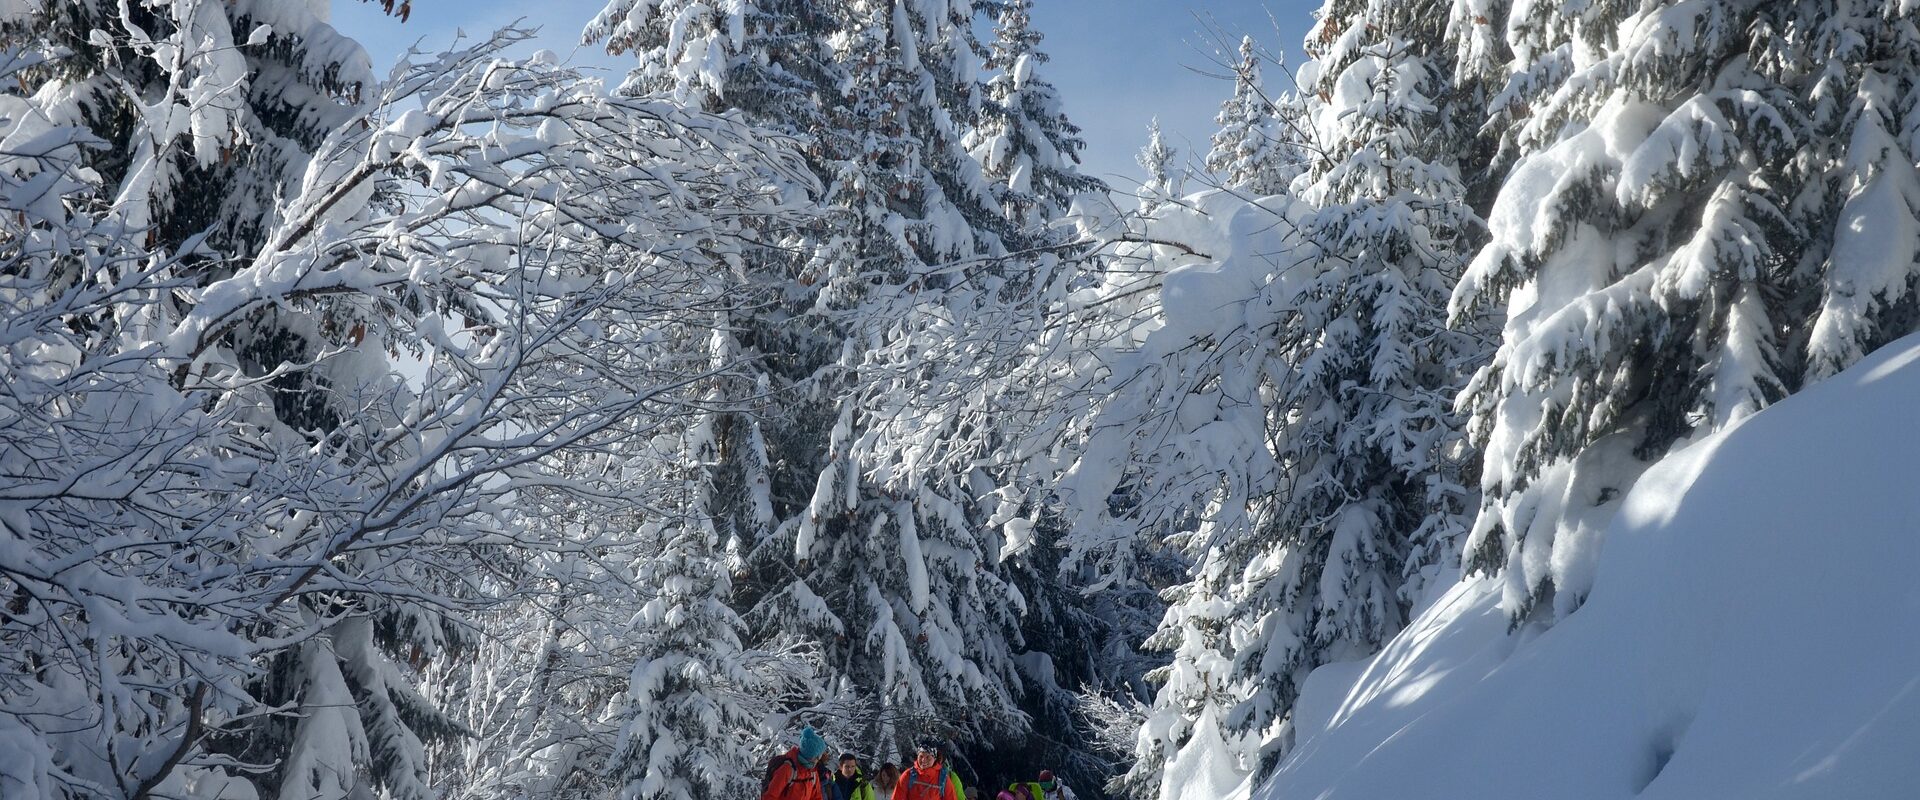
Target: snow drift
{"x":1753,"y":632}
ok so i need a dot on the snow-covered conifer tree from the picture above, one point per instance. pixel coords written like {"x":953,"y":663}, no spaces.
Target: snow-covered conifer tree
{"x":1285,"y":422}
{"x":842,"y":546}
{"x":685,"y":47}
{"x":1251,"y":150}
{"x":1166,"y":177}
{"x":1641,"y":242}
{"x":1157,"y":455}
{"x":694,"y":703}
{"x":1859,"y":204}
{"x":1370,"y":458}
{"x":1701,"y":206}
{"x":940,"y":401}
{"x":1024,"y":141}
{"x":1307,"y":462}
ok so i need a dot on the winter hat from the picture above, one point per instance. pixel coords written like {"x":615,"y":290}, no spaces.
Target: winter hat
{"x":1046,"y":778}
{"x":812,"y":747}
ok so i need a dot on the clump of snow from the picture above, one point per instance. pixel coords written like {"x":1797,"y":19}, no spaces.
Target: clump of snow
{"x":1206,"y":768}
{"x":25,"y":761}
{"x":1750,"y":635}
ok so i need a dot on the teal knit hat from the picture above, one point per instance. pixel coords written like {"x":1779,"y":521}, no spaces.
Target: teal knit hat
{"x":812,"y":747}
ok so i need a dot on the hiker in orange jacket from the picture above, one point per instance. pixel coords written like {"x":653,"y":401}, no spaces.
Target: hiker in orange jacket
{"x":796,"y":775}
{"x":929,"y":778}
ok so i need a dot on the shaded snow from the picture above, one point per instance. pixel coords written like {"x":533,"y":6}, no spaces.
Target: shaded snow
{"x":1752,"y":634}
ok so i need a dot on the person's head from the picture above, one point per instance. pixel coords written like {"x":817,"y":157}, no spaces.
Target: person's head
{"x":927,"y":754}
{"x":1046,"y":781}
{"x":849,"y":765}
{"x":813,"y":749}
{"x":887,"y":775}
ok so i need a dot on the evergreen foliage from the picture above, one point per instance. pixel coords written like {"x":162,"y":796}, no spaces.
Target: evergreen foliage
{"x":1254,"y":150}
{"x":1676,"y":135}
{"x":846,"y":540}
{"x":1024,"y":140}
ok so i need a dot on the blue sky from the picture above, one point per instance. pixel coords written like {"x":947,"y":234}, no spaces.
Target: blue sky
{"x":1118,"y":63}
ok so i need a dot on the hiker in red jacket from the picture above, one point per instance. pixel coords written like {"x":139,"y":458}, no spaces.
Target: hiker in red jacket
{"x":796,"y":774}
{"x":928,"y":778}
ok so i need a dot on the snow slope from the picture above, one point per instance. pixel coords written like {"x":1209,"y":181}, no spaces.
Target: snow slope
{"x":1753,"y":633}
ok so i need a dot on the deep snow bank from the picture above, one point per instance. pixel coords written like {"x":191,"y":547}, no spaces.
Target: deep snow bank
{"x":1753,"y":632}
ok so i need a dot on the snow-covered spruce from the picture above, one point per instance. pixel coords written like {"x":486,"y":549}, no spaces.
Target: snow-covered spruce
{"x":1277,"y":396}
{"x":1257,"y":148}
{"x":867,"y":539}
{"x":1682,"y":238}
{"x":1373,"y":465}
{"x":1024,"y":141}
{"x":1153,"y":444}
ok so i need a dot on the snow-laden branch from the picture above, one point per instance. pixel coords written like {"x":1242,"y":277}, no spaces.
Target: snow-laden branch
{"x":505,"y":277}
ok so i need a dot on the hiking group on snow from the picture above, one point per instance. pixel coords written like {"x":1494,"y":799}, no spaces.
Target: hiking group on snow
{"x":801,"y":773}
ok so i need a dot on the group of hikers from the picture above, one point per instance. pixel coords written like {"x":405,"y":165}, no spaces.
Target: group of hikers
{"x":802,"y":773}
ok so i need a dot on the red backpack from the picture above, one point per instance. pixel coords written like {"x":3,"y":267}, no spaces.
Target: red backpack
{"x":773,"y":769}
{"x":912,"y":779}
